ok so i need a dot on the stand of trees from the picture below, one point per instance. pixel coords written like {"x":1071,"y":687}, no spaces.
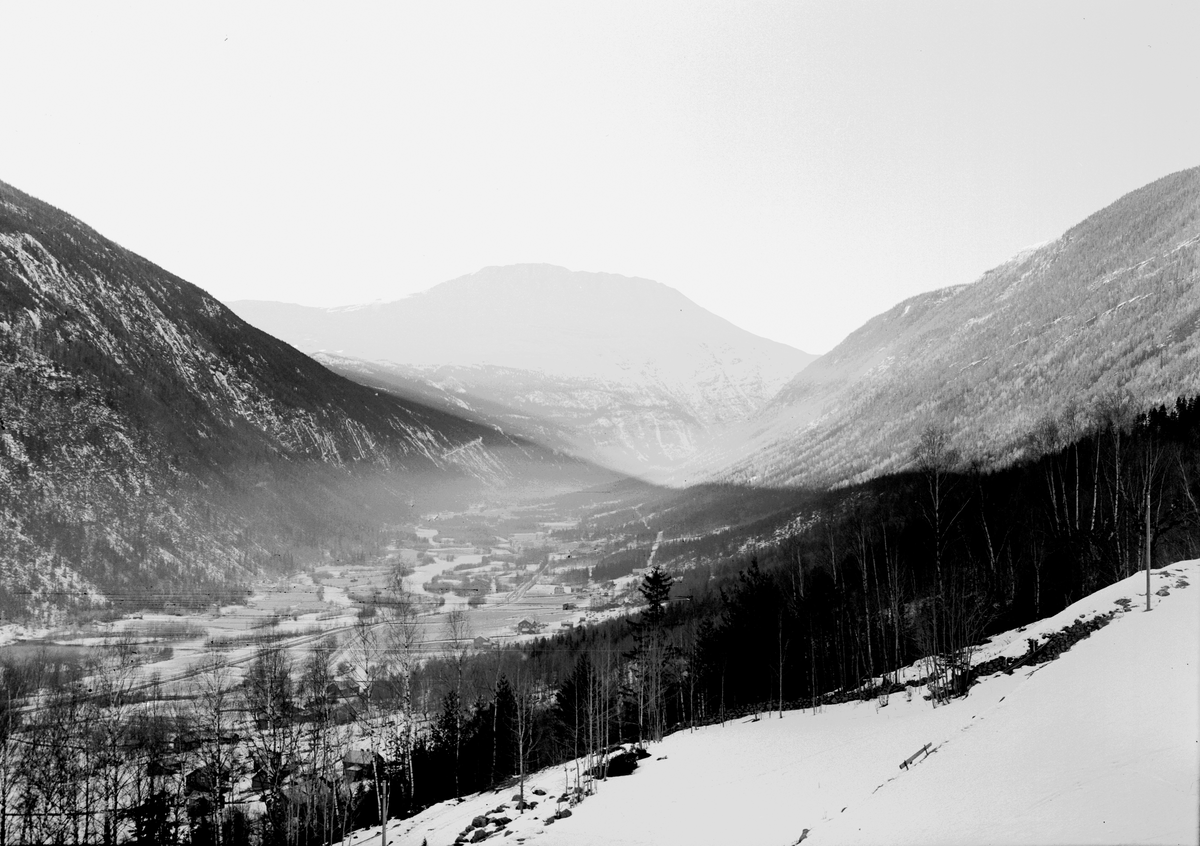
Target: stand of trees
{"x":919,"y":566}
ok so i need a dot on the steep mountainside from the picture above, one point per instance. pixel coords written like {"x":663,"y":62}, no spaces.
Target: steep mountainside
{"x":638,"y":376}
{"x":1108,"y":314}
{"x":151,"y":441}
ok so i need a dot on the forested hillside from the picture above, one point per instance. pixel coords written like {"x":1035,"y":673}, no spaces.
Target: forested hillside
{"x":1110,"y":309}
{"x":925,"y":563}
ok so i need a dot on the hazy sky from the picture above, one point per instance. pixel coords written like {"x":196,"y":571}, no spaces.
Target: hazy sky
{"x":794,"y":167}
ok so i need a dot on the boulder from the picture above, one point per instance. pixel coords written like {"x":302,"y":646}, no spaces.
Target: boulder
{"x":623,"y":764}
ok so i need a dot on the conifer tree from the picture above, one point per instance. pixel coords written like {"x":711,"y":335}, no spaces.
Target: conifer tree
{"x":651,"y":651}
{"x":656,"y":590}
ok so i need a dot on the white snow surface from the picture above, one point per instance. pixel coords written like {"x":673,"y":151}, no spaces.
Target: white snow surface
{"x":1101,"y":745}
{"x":12,"y":632}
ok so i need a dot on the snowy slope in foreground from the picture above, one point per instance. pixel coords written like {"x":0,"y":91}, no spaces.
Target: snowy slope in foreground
{"x":1101,"y":745}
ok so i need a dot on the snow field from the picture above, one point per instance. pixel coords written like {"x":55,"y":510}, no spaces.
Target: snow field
{"x":1101,"y":745}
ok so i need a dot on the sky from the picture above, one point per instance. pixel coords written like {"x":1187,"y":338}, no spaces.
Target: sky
{"x":794,"y":167}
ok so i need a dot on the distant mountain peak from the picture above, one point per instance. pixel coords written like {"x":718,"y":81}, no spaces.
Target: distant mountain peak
{"x":629,"y":359}
{"x":472,"y":320}
{"x":567,"y":289}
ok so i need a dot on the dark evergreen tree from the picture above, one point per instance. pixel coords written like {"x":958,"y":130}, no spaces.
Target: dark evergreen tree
{"x":647,"y":695}
{"x":656,"y":590}
{"x":504,"y":749}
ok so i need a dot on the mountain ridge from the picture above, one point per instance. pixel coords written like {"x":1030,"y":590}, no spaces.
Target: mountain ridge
{"x":148,"y":436}
{"x":530,"y":296}
{"x":1105,"y":315}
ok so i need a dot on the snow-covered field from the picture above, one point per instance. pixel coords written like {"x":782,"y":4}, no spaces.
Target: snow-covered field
{"x":13,"y":632}
{"x":1101,"y":745}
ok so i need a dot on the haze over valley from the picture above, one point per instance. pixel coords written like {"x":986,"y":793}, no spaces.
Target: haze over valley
{"x":429,"y":425}
{"x":639,"y":377}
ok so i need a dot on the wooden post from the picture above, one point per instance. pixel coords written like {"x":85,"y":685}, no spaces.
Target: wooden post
{"x":907,"y":762}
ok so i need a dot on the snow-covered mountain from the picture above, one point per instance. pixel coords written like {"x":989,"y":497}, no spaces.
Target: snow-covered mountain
{"x":637,"y":374}
{"x":1099,"y":745}
{"x":151,"y":441}
{"x":1108,"y":314}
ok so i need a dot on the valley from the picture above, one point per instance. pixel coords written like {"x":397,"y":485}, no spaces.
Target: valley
{"x":533,"y":526}
{"x":499,"y":591}
{"x":443,"y":424}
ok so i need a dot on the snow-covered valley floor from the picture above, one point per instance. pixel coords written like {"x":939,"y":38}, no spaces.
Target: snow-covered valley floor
{"x":1101,"y":745}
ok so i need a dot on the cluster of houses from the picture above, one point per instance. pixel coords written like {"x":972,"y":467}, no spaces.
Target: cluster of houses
{"x":524,"y":627}
{"x":529,"y":627}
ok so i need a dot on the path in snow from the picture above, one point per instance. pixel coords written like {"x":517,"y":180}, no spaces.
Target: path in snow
{"x":653,"y":550}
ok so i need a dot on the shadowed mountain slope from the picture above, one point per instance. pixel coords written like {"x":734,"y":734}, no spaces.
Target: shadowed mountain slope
{"x":152,"y":442}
